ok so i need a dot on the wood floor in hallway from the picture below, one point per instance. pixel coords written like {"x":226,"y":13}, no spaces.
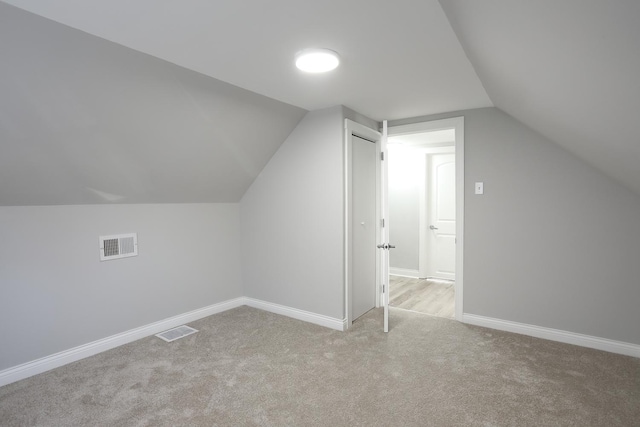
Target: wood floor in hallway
{"x":429,"y":296}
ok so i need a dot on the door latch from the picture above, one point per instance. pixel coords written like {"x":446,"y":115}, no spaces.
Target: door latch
{"x":386,"y":246}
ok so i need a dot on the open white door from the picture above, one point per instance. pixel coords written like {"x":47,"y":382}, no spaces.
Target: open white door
{"x":384,"y":246}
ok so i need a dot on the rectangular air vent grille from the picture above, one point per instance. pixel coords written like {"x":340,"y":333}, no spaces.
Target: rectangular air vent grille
{"x":176,"y":333}
{"x":118,"y":246}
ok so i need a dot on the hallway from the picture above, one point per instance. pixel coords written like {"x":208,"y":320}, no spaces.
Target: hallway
{"x":429,"y":296}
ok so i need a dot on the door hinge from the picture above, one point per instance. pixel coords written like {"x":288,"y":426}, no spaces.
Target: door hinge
{"x":383,"y":289}
{"x":382,"y":220}
{"x":382,"y":155}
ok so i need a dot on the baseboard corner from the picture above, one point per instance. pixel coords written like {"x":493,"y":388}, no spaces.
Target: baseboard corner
{"x":294,"y":313}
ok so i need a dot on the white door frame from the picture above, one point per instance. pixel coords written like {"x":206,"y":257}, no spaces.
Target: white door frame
{"x":456,"y":123}
{"x":353,"y":128}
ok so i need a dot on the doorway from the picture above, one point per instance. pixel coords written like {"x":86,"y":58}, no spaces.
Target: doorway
{"x":423,"y":198}
{"x":381,"y":286}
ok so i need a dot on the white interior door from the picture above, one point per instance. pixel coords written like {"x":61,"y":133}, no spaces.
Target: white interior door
{"x":384,"y":199}
{"x":442,"y":216}
{"x":363,"y":226}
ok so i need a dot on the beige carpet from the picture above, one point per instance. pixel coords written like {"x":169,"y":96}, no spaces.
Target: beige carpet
{"x":252,"y":368}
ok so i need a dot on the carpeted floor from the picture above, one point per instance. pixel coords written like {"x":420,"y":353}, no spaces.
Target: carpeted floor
{"x":247,"y":367}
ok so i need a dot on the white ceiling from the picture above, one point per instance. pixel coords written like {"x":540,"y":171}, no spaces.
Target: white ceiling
{"x":569,"y":69}
{"x":400,"y":58}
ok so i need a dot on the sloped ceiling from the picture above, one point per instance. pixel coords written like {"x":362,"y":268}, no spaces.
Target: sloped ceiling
{"x":569,"y":69}
{"x":119,"y":118}
{"x":113,"y":101}
{"x":399,"y":58}
{"x":83,"y":120}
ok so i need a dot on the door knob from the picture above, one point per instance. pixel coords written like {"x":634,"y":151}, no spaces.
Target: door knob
{"x":386,"y":246}
{"x":433,"y":227}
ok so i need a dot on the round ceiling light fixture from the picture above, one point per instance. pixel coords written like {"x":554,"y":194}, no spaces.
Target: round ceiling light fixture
{"x":317,"y":60}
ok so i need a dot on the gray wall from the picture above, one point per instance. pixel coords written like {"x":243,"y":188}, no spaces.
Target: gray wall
{"x":292,"y":220}
{"x":56,"y":294}
{"x":405,"y":170}
{"x":553,"y":242}
{"x":87,"y":121}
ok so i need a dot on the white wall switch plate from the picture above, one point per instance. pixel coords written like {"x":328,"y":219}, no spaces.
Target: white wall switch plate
{"x":479,"y":187}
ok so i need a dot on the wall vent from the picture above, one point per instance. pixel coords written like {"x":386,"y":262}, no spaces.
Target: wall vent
{"x":118,"y":246}
{"x":176,"y":333}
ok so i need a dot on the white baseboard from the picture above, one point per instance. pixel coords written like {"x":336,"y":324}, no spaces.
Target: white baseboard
{"x":307,"y":316}
{"x":589,"y":341}
{"x":404,"y":272}
{"x":46,"y":363}
{"x":62,"y":358}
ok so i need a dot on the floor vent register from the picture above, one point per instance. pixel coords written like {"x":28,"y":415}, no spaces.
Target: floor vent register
{"x":176,"y":333}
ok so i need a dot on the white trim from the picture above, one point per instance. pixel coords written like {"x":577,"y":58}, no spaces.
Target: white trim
{"x":361,"y":130}
{"x":428,"y":126}
{"x":589,"y":341}
{"x":345,"y":226}
{"x":64,"y":357}
{"x":382,"y":181}
{"x":456,"y":123}
{"x":404,"y":272}
{"x":458,"y":286}
{"x":306,"y":316}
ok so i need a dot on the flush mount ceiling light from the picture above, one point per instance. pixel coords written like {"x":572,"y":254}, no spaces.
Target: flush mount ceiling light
{"x":317,"y":60}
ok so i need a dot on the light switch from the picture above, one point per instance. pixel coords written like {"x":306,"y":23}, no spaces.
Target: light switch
{"x":479,"y":187}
